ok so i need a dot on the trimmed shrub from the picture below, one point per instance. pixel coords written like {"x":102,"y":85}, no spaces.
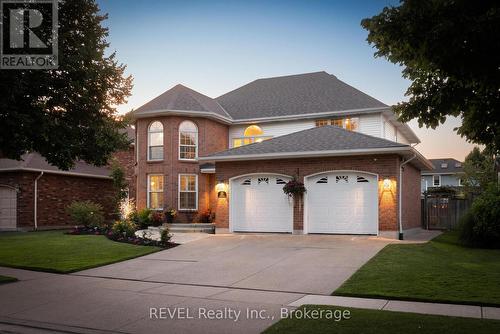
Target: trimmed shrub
{"x":205,"y":217}
{"x":86,"y":213}
{"x":156,"y":218}
{"x":480,"y":227}
{"x":165,"y":236}
{"x":141,"y":218}
{"x":124,"y":228}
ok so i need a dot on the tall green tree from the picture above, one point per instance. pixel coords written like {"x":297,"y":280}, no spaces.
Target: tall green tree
{"x":479,"y":170}
{"x":68,"y":113}
{"x":449,"y":49}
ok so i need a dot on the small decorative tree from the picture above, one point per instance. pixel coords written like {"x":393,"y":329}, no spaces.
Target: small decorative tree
{"x":296,"y":189}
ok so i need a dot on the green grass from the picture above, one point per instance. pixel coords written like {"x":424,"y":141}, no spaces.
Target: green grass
{"x":54,"y":251}
{"x":386,"y":322}
{"x":7,"y":279}
{"x":438,"y":271}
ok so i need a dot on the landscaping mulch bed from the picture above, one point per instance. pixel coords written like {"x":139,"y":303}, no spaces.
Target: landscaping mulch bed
{"x":135,"y":240}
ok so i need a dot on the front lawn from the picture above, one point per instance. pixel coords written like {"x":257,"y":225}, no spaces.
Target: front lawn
{"x":7,"y":279}
{"x":438,"y":271}
{"x":54,"y":251}
{"x":386,"y":322}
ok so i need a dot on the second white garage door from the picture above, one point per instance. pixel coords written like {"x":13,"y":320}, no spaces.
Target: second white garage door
{"x":258,"y":204}
{"x":342,"y":202}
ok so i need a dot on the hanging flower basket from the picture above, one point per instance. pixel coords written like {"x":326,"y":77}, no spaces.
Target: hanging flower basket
{"x":294,"y":188}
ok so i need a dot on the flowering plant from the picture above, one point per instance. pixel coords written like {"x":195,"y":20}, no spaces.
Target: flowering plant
{"x":170,"y":215}
{"x":294,"y":188}
{"x":156,"y":218}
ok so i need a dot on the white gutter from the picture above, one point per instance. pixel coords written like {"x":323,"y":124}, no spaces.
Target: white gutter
{"x":400,"y":206}
{"x":168,"y":112}
{"x":35,"y":196}
{"x":309,"y":115}
{"x":309,"y":154}
{"x":15,"y":169}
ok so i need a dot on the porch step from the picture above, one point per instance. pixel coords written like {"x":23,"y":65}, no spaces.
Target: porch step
{"x":188,"y":228}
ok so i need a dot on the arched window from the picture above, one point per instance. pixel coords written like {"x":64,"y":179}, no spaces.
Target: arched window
{"x":253,"y":131}
{"x":252,"y":134}
{"x":188,"y":141}
{"x":155,"y":141}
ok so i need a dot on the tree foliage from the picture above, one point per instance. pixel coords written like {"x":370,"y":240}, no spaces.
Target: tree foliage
{"x":479,"y":170}
{"x":68,"y":113}
{"x":450,"y":52}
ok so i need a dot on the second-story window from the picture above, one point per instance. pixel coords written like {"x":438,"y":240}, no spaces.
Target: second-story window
{"x":252,"y":134}
{"x":188,"y":141}
{"x":350,"y":124}
{"x":155,"y":141}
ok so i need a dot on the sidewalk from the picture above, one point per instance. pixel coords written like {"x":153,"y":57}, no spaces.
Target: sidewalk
{"x":453,"y":310}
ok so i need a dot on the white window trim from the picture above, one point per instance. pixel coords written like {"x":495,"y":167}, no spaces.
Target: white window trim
{"x":195,"y":146}
{"x":460,"y":182}
{"x":149,"y":141}
{"x":149,"y":190}
{"x":179,"y":192}
{"x":439,"y":177}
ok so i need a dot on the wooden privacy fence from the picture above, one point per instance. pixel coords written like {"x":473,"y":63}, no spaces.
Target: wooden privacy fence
{"x":443,"y":211}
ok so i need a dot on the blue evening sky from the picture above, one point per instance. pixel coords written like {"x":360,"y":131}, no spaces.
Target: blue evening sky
{"x":216,"y":46}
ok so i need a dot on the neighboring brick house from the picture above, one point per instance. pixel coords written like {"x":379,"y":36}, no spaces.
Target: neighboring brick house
{"x":234,"y":154}
{"x":447,"y":172}
{"x":21,"y":209}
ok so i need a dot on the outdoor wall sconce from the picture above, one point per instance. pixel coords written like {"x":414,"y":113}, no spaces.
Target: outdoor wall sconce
{"x":221,"y":190}
{"x":387,"y":184}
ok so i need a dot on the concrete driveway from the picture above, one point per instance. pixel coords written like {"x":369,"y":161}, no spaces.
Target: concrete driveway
{"x":311,"y":264}
{"x":257,"y":275}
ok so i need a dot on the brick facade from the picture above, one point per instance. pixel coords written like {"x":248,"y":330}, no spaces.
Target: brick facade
{"x":126,"y":159}
{"x":411,"y":211}
{"x":385,"y":166}
{"x":212,"y":137}
{"x":55,"y":193}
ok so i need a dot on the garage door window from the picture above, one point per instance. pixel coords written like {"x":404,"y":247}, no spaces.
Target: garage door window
{"x":361,"y":179}
{"x":341,"y":179}
{"x":188,"y":192}
{"x":323,"y":180}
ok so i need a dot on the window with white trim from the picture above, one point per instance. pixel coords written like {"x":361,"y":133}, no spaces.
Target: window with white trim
{"x":351,"y":124}
{"x":188,"y":141}
{"x":436,"y":180}
{"x":188,"y":192}
{"x":155,"y":141}
{"x":155,"y":191}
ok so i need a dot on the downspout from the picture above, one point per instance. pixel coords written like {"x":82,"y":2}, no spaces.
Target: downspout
{"x":35,"y":196}
{"x":401,"y":167}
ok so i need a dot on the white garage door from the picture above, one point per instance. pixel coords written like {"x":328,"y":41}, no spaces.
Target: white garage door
{"x":258,"y":204}
{"x":342,"y":202}
{"x":8,"y":199}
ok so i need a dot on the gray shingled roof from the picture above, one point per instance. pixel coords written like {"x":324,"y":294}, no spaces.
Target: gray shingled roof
{"x":182,"y":98}
{"x":295,"y":95}
{"x":34,"y":161}
{"x":324,"y":138}
{"x":451,"y":166}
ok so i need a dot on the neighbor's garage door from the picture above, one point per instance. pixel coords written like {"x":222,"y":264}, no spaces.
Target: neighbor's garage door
{"x":8,"y":199}
{"x":258,"y":204}
{"x":342,"y":202}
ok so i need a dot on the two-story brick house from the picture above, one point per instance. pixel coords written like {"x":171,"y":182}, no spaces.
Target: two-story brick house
{"x":233,"y":154}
